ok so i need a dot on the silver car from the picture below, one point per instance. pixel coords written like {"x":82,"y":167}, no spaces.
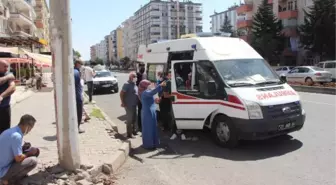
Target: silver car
{"x":309,"y":75}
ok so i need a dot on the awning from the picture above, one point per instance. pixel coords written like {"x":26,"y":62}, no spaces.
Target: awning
{"x":13,"y":50}
{"x":17,"y":60}
{"x":42,"y":60}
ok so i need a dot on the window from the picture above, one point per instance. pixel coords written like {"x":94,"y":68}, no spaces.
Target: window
{"x":153,"y":70}
{"x":198,"y":79}
{"x":320,"y":65}
{"x":330,"y":65}
{"x":303,"y":70}
{"x":279,"y":69}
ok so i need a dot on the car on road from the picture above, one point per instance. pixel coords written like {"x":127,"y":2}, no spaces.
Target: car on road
{"x":283,"y":70}
{"x":309,"y":75}
{"x":105,"y":80}
{"x":329,"y":66}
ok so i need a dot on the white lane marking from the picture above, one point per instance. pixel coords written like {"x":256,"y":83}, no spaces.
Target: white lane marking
{"x":316,"y":102}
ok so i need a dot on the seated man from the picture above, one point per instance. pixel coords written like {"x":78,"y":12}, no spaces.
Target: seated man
{"x":15,"y":164}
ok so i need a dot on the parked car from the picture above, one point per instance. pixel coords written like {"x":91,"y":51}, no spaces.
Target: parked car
{"x":281,"y":71}
{"x":309,"y":75}
{"x":329,"y":66}
{"x":105,"y":80}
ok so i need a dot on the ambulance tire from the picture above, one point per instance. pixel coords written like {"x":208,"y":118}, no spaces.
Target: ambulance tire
{"x":233,"y":140}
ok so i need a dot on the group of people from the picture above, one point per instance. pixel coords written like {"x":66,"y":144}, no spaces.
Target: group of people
{"x":138,"y":93}
{"x":17,"y":158}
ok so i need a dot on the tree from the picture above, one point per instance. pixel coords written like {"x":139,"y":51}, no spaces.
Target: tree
{"x":266,"y":32}
{"x":226,"y":27}
{"x":76,"y":54}
{"x":317,"y":34}
{"x":99,"y":61}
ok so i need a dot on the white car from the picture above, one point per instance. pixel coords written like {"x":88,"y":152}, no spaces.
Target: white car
{"x":282,"y":71}
{"x":105,"y":80}
{"x":329,"y":66}
{"x":309,"y":75}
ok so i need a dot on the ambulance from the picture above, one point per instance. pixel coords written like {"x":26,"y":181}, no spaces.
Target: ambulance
{"x":223,"y":84}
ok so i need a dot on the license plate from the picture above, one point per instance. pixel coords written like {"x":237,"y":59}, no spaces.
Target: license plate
{"x":107,"y":85}
{"x":286,"y":126}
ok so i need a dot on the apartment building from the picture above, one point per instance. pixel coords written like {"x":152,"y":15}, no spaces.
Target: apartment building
{"x":42,"y":21}
{"x":106,"y":39}
{"x":21,"y":18}
{"x":289,"y":12}
{"x":165,"y":20}
{"x":93,"y":53}
{"x":128,"y":45}
{"x":218,"y":18}
{"x":120,"y":43}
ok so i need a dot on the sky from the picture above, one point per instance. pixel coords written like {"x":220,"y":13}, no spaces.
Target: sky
{"x":92,"y":20}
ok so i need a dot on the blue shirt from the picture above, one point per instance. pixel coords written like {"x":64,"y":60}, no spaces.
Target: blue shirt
{"x":11,"y":146}
{"x":131,"y":94}
{"x":78,"y":86}
{"x":6,"y":101}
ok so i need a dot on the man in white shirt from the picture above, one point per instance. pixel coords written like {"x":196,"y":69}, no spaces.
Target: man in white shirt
{"x":88,"y":75}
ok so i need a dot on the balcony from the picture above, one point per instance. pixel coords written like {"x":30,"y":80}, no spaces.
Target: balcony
{"x":244,"y":23}
{"x":20,"y":19}
{"x":242,"y":9}
{"x":289,"y":14}
{"x":270,"y":1}
{"x":23,"y":4}
{"x":21,"y":34}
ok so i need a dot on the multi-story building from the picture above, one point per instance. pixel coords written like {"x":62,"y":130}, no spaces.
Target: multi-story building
{"x":114,"y":45}
{"x":106,"y":39}
{"x":93,"y":53}
{"x":289,"y":12}
{"x":164,"y":20}
{"x":128,"y":45}
{"x":120,"y":42}
{"x":217,"y":19}
{"x":42,"y":21}
{"x":110,"y":48}
{"x":21,"y":19}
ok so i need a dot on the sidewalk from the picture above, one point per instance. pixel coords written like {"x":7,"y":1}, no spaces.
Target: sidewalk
{"x":97,"y":144}
{"x":21,"y":93}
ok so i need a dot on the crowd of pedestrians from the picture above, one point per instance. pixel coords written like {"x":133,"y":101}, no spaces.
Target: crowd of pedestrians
{"x":138,"y":99}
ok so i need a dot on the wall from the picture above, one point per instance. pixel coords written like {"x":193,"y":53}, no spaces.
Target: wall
{"x":120,"y":52}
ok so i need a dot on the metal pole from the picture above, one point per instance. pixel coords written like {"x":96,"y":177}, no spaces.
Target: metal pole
{"x":61,"y":42}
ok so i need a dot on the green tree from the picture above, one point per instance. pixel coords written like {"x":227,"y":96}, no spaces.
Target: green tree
{"x":226,"y":27}
{"x":317,"y":34}
{"x":99,"y":61}
{"x":266,"y":32}
{"x":76,"y":54}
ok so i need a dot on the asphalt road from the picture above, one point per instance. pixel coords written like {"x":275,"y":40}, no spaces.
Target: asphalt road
{"x":305,"y":158}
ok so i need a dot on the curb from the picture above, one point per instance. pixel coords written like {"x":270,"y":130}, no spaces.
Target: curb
{"x":119,"y":158}
{"x":26,"y":95}
{"x":311,"y":89}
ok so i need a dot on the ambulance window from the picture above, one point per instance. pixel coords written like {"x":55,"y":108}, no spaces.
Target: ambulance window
{"x":153,"y":70}
{"x":207,"y":80}
{"x":182,"y":73}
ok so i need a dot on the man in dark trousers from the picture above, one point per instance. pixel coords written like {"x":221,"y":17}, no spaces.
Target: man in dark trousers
{"x":78,"y":92}
{"x":140,"y":77}
{"x":7,"y":88}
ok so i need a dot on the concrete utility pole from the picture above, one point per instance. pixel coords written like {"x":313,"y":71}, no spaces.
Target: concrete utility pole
{"x":61,"y":42}
{"x":178,"y":18}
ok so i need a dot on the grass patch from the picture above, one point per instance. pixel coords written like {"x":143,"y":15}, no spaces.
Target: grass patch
{"x":97,"y":113}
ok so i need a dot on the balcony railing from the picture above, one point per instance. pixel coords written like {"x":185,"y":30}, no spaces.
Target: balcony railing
{"x":21,"y":17}
{"x":288,"y":14}
{"x":21,"y":33}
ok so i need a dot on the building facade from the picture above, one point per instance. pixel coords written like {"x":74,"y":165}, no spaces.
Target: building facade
{"x":165,"y":20}
{"x":120,"y":43}
{"x":290,"y":13}
{"x":42,"y":21}
{"x":217,"y":19}
{"x":93,"y":53}
{"x":128,"y":44}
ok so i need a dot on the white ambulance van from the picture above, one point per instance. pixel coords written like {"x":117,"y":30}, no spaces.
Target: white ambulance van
{"x":223,"y":84}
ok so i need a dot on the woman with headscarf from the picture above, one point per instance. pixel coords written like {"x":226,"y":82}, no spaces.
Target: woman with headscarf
{"x":150,"y":136}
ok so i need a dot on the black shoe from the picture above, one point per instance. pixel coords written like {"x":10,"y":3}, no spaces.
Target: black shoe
{"x":135,"y":133}
{"x":130,"y":136}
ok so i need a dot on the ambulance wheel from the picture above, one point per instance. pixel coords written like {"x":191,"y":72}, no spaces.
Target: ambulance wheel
{"x":224,"y":133}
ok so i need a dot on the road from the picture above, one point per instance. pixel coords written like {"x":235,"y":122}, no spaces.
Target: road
{"x":307,"y":158}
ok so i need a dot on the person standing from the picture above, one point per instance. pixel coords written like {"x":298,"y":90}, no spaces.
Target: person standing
{"x":129,"y":100}
{"x":150,"y":136}
{"x":7,"y":88}
{"x":89,"y":74}
{"x":140,"y":77}
{"x":78,"y":91}
{"x":16,"y":161}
